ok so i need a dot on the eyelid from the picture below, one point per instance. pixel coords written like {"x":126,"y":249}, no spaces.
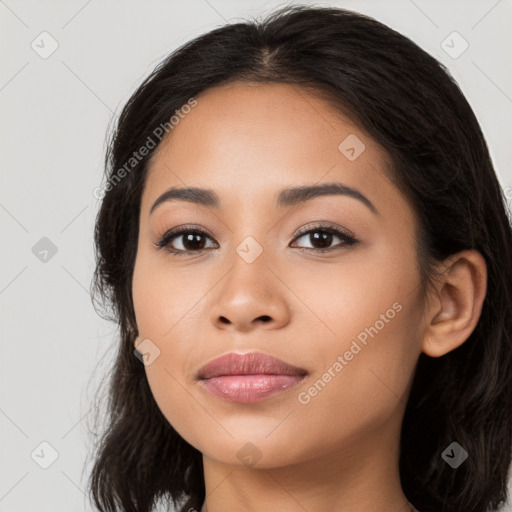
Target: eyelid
{"x":179,"y":230}
{"x":321,"y":224}
{"x":347,"y":237}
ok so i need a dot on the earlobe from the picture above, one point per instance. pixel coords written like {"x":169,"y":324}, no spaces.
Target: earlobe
{"x":461,"y":291}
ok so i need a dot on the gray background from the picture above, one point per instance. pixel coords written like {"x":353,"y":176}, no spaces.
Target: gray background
{"x":55,"y":112}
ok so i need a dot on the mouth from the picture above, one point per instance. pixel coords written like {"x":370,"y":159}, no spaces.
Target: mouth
{"x":249,"y":377}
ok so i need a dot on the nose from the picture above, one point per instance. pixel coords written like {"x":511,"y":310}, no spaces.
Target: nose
{"x":250,"y":297}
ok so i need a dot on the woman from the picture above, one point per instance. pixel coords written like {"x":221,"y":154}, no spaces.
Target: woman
{"x":306,"y":247}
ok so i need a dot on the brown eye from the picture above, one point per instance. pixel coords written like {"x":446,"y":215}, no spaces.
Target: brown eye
{"x":187,"y":240}
{"x":321,"y":238}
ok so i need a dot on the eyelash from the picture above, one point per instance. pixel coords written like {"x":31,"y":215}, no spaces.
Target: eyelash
{"x":347,"y":239}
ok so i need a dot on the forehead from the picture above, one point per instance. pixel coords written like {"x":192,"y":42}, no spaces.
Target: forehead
{"x":247,"y":140}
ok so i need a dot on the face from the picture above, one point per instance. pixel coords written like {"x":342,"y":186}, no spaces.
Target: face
{"x":329,"y":283}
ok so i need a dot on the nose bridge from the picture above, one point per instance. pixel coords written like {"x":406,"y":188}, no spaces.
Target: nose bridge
{"x":250,"y":245}
{"x":247,"y":290}
{"x":248,"y":262}
{"x":252,"y":251}
{"x":250,"y":233}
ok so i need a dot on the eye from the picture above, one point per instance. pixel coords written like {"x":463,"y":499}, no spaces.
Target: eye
{"x":193,"y":240}
{"x":321,"y":237}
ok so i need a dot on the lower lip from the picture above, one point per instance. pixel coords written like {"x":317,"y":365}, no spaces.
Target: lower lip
{"x":249,"y":388}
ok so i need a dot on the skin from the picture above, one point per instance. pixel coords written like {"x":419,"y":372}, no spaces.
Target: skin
{"x":340,"y":450}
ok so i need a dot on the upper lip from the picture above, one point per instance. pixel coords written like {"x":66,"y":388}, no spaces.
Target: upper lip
{"x":250,"y":363}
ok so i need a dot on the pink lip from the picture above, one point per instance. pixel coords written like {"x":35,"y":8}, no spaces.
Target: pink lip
{"x":249,"y":377}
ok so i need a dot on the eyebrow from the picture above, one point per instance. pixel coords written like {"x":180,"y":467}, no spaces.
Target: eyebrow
{"x":286,"y":198}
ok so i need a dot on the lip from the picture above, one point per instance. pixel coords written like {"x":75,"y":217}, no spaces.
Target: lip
{"x":249,"y":377}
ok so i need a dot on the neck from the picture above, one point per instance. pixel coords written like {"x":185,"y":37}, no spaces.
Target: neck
{"x":362,"y":476}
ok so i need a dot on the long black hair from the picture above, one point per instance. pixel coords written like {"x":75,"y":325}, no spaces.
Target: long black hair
{"x":409,"y":103}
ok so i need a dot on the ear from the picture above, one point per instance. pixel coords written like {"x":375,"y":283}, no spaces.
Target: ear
{"x":136,"y":341}
{"x":456,"y":303}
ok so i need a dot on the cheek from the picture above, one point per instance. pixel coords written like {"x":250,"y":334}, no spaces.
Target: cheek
{"x":164,"y":300}
{"x":364,"y":374}
{"x":338,"y":302}
{"x":162,"y":294}
{"x":363,"y":322}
